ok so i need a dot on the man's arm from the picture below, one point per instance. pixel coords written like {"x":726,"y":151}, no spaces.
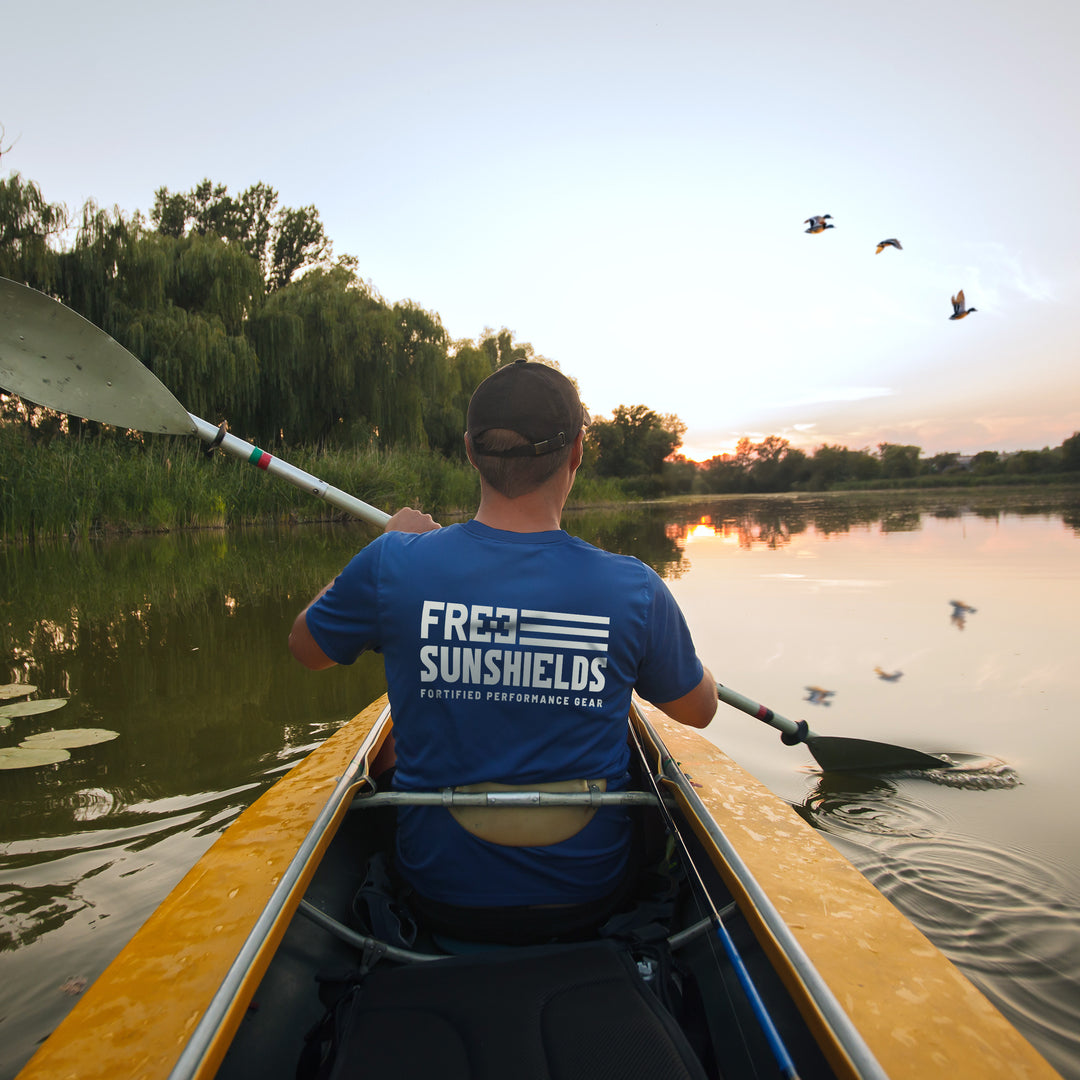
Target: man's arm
{"x":695,"y":709}
{"x":301,"y":644}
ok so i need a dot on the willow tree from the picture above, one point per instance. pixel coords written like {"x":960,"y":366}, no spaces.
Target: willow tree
{"x":446,"y":413}
{"x":412,"y":377}
{"x":322,"y":341}
{"x":29,"y":230}
{"x":180,"y":305}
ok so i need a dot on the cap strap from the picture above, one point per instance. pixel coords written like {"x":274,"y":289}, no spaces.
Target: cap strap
{"x":548,"y":446}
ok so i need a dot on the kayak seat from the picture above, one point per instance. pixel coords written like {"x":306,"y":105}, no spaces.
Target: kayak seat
{"x":557,"y":1012}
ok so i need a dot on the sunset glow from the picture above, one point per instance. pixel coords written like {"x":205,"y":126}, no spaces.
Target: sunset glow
{"x":631,"y":197}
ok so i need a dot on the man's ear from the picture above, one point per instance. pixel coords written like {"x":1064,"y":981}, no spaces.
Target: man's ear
{"x":469,"y":451}
{"x":578,"y":450}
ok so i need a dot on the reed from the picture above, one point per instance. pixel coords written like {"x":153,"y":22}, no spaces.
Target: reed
{"x":113,"y":483}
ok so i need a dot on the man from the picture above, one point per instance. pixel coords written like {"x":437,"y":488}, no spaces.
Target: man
{"x":511,"y":652}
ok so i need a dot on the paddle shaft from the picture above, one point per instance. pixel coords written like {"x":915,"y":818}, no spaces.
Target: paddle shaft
{"x":795,"y":732}
{"x":245,"y":451}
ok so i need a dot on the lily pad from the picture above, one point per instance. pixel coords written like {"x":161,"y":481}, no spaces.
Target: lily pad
{"x":19,"y":757}
{"x":32,"y":708}
{"x":70,"y":737}
{"x":15,"y":689}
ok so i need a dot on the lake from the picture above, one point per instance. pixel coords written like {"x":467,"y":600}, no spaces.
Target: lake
{"x":943,"y":622}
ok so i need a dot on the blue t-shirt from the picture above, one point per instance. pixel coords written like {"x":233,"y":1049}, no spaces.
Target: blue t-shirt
{"x":511,"y":658}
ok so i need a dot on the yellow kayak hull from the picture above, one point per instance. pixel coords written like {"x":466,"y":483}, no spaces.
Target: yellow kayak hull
{"x":199,"y":959}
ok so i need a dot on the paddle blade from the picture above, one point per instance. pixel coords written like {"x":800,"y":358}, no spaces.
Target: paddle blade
{"x":54,"y":357}
{"x":837,"y":754}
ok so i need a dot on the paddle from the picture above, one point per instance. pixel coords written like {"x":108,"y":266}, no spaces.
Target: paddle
{"x":51,"y":355}
{"x":832,"y":753}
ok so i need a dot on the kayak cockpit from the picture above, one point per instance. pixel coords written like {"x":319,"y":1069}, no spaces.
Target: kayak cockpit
{"x":653,"y":994}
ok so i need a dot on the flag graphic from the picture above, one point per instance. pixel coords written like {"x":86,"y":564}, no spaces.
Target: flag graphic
{"x":564,"y":630}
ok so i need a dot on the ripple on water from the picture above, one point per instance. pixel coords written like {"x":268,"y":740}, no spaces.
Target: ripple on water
{"x":860,"y":806}
{"x":1007,"y":919}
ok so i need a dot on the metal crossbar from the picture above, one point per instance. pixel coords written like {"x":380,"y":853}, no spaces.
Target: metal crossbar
{"x":449,"y":797}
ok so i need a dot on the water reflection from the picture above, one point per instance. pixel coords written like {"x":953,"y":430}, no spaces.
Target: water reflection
{"x":646,"y":535}
{"x":178,"y":644}
{"x":774,"y":521}
{"x":960,"y":612}
{"x":855,"y":604}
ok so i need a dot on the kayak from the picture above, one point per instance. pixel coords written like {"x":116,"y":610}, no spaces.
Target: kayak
{"x":752,"y":949}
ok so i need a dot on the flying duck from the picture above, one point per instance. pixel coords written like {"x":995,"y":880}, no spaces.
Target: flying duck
{"x":888,"y":243}
{"x":817,"y":223}
{"x":817,"y":696}
{"x":888,"y":676}
{"x":958,"y":302}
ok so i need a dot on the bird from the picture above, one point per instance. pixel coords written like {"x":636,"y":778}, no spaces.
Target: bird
{"x":888,"y":676}
{"x":817,"y":696}
{"x":888,"y":243}
{"x":958,"y":302}
{"x":817,"y":223}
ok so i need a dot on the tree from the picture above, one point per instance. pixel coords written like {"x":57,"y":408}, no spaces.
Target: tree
{"x":1030,"y":462}
{"x":29,"y":227}
{"x":940,"y":463}
{"x":1070,"y":453}
{"x":325,"y":343}
{"x":180,"y":305}
{"x":986,"y":462}
{"x":282,"y":240}
{"x":296,"y":240}
{"x":776,"y":465}
{"x":635,"y":441}
{"x":898,"y":462}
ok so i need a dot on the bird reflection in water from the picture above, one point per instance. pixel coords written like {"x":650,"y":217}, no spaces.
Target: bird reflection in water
{"x":960,"y":612}
{"x":888,"y":676}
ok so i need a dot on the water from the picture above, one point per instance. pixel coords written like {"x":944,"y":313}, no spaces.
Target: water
{"x":178,"y":644}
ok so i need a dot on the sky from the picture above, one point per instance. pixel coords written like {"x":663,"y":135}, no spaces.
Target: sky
{"x":624,"y":186}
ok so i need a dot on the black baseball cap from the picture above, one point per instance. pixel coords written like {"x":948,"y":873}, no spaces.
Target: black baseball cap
{"x":538,"y":402}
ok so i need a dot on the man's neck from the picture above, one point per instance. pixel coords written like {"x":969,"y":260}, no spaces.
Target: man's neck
{"x":539,"y":510}
{"x":526,"y":514}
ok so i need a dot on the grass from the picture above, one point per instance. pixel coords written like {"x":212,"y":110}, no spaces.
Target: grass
{"x":115,"y":484}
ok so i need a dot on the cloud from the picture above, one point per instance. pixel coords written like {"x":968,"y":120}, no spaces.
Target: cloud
{"x":827,"y":395}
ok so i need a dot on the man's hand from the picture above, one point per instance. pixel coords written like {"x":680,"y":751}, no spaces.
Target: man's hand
{"x":408,"y":520}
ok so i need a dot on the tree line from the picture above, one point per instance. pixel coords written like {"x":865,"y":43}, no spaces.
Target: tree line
{"x":240,"y":307}
{"x":773,"y":465}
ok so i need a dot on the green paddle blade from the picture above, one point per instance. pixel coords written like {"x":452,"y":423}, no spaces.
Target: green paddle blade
{"x":52,"y":356}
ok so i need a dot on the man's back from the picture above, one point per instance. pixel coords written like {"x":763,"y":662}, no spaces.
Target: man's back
{"x":511,"y":654}
{"x":510,"y":658}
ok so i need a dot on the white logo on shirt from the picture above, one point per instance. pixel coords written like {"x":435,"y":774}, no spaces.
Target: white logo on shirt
{"x":578,"y":664}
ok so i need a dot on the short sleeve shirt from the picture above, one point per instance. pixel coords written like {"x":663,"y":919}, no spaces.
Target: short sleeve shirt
{"x":510,"y":657}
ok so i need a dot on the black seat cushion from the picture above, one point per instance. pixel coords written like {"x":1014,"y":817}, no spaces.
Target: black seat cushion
{"x":574,"y":1012}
